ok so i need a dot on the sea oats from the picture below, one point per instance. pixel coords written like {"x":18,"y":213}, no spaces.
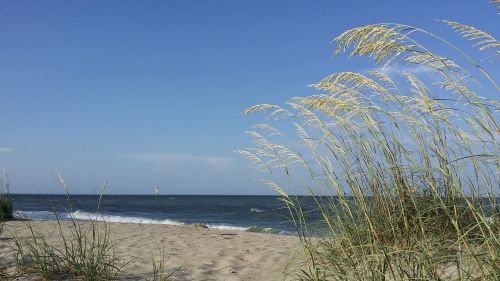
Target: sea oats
{"x":269,"y":129}
{"x":406,"y":158}
{"x":484,"y":41}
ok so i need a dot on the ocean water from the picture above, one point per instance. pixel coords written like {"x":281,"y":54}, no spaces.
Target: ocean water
{"x":246,"y":213}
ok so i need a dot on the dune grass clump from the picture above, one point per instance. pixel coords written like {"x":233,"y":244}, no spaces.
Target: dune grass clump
{"x":85,"y":254}
{"x":6,"y":210}
{"x":83,"y":251}
{"x":402,"y":160}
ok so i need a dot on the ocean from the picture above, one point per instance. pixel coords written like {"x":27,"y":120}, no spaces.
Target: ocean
{"x":246,"y":213}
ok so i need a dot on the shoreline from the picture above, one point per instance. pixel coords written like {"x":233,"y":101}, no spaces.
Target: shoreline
{"x":104,"y":218}
{"x":193,"y":252}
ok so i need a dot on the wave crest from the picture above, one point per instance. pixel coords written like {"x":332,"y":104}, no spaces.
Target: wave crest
{"x":81,"y":215}
{"x":86,"y":216}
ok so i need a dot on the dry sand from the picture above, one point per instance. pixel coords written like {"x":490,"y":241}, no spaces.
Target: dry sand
{"x":197,"y":253}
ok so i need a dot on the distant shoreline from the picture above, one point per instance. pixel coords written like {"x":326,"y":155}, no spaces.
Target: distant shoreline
{"x":248,"y":213}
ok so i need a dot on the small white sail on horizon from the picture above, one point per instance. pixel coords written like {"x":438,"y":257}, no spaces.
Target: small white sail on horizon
{"x":157,"y":190}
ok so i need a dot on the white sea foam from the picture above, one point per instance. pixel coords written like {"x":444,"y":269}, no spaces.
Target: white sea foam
{"x":35,"y":215}
{"x":492,"y":219}
{"x":227,"y":227}
{"x":81,"y":215}
{"x":256,"y":210}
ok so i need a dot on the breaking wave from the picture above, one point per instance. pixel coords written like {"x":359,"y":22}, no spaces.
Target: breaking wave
{"x":81,"y":215}
{"x":85,"y":216}
{"x":227,"y":227}
{"x":35,"y":215}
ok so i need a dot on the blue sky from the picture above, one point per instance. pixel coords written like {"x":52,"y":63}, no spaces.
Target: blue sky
{"x":146,"y":93}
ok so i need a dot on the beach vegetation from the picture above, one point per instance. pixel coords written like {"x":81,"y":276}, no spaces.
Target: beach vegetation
{"x":402,"y":159}
{"x":160,"y":272}
{"x":82,"y":250}
{"x":6,"y":210}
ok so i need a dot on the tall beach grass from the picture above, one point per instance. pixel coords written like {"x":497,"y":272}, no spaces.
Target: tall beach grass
{"x":402,"y":160}
{"x":81,"y":250}
{"x":6,"y":210}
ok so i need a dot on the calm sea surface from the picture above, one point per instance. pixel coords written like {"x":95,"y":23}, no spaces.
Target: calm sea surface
{"x":251,"y":213}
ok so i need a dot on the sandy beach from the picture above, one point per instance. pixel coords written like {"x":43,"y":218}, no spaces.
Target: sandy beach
{"x":194,"y":253}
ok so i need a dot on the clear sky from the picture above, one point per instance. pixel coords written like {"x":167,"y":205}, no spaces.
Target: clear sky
{"x":146,"y":93}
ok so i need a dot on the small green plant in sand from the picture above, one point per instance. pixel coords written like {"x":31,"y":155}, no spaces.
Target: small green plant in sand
{"x":84,"y":250}
{"x":160,"y":273}
{"x":402,"y":161}
{"x":6,"y":210}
